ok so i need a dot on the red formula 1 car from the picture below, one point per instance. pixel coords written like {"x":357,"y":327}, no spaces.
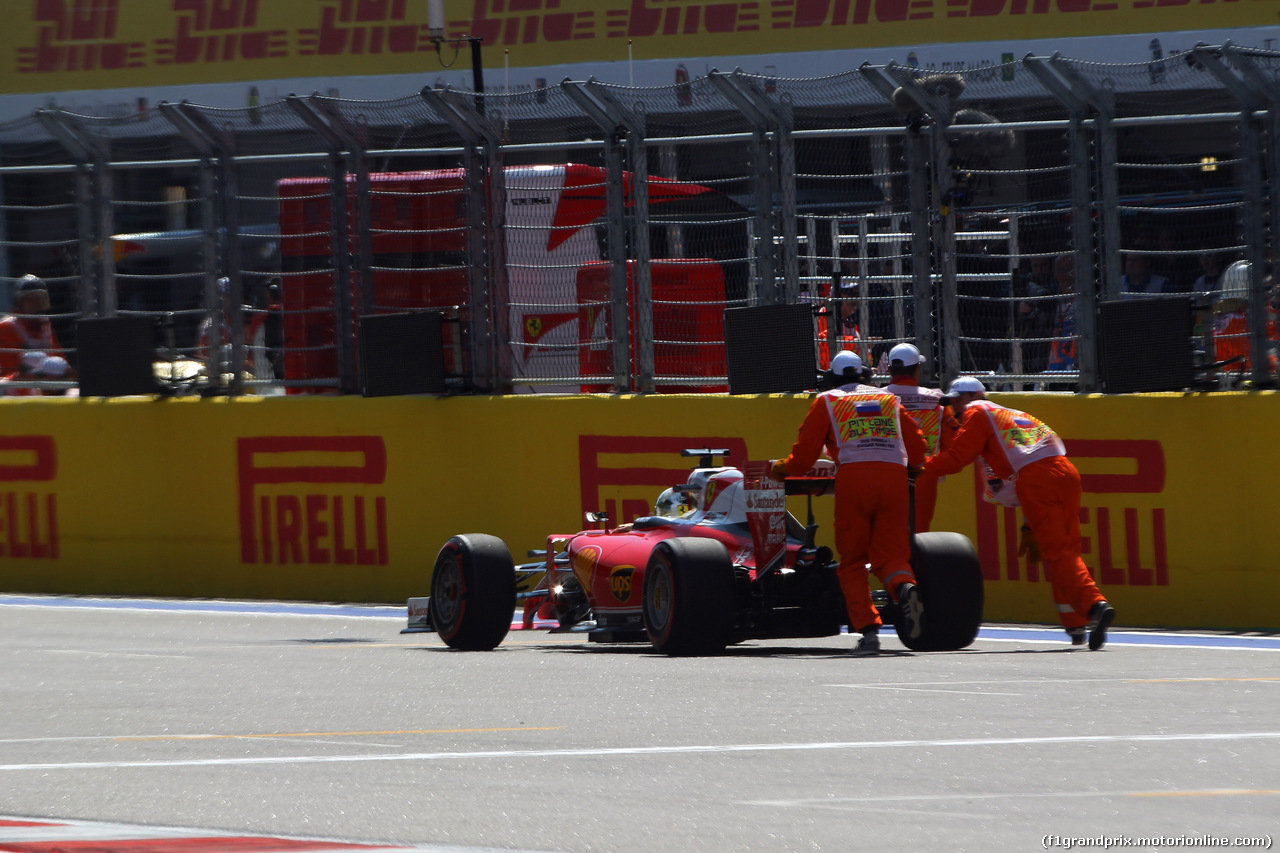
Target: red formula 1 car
{"x":720,"y":561}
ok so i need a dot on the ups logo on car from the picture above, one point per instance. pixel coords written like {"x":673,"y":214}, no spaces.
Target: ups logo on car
{"x":620,"y":583}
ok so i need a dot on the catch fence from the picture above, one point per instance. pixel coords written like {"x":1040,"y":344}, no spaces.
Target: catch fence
{"x":589,"y":236}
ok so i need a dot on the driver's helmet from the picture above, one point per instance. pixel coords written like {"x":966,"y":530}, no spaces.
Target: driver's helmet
{"x":675,"y":503}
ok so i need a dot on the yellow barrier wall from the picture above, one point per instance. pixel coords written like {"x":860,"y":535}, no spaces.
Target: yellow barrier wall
{"x":350,"y":499}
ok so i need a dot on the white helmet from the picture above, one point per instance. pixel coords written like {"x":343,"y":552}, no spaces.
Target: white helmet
{"x":846,"y":360}
{"x":1236,"y":281}
{"x":675,"y":503}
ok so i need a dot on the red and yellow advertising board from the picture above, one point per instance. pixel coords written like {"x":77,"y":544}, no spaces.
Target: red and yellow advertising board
{"x":350,"y":499}
{"x":60,"y":45}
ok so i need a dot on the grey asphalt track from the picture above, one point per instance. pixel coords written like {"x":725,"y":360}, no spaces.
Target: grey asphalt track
{"x":328,"y":723}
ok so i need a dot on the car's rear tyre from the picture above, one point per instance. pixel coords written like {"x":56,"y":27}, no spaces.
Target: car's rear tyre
{"x":950,"y":580}
{"x":688,"y":597}
{"x":473,"y":592}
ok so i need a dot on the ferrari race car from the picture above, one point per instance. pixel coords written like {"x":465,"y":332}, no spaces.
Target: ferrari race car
{"x":720,"y":561}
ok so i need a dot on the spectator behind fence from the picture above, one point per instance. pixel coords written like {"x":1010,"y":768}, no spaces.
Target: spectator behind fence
{"x":1212,"y":266}
{"x":1139,"y":280}
{"x":27,"y":328}
{"x":1062,"y":349}
{"x":1033,"y":318}
{"x":1168,"y":261}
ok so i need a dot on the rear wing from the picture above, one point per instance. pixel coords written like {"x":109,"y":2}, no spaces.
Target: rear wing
{"x":818,"y":480}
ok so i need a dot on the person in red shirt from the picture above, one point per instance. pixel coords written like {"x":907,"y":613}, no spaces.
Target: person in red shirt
{"x":873,"y":441}
{"x":925,"y":405}
{"x":1019,"y":447}
{"x":27,"y":328}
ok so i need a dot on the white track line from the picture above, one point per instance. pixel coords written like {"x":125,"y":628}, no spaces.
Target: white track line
{"x":646,"y":750}
{"x":1013,"y":795}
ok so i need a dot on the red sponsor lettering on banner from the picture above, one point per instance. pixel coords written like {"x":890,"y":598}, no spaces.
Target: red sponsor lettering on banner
{"x":78,"y":35}
{"x":219,"y":31}
{"x":28,"y":518}
{"x":353,"y":27}
{"x":510,"y":22}
{"x":997,"y":527}
{"x":320,"y":526}
{"x":633,"y":489}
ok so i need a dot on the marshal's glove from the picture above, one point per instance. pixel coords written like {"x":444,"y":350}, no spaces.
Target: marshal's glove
{"x":1028,"y":546}
{"x":779,"y":469}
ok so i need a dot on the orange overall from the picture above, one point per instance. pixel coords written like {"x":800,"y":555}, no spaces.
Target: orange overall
{"x":1015,"y":444}
{"x":22,"y":334}
{"x":1231,"y":339}
{"x":939,"y":428}
{"x":872,"y":502}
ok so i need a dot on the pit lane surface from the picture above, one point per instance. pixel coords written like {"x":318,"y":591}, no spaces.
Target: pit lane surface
{"x":320,"y":722}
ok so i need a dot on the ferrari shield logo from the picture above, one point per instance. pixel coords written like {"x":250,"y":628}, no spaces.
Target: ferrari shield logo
{"x":532,"y":327}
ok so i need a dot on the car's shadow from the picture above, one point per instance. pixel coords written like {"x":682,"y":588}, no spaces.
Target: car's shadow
{"x":745,"y":651}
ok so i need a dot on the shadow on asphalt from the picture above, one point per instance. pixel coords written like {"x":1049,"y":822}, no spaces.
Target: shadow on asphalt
{"x":747,"y":651}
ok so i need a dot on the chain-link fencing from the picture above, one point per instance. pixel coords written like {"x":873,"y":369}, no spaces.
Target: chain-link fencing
{"x":590,"y":236}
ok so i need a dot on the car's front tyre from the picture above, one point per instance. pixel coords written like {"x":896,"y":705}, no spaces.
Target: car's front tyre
{"x":473,"y":592}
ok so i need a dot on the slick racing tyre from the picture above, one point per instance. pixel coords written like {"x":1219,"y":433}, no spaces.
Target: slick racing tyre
{"x":950,"y":580}
{"x":473,"y":592}
{"x":688,"y":597}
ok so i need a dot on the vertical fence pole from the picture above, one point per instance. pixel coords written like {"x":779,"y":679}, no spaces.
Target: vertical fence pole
{"x":1252,"y":93}
{"x":93,"y":217}
{"x":642,"y":281}
{"x":917,"y":156}
{"x":615,"y":214}
{"x":488,"y":332}
{"x":230,"y":176}
{"x":1269,"y":89}
{"x":1084,"y":100}
{"x":619,"y":309}
{"x":353,"y":138}
{"x":767,"y":117}
{"x":85,"y":229}
{"x":901,"y":90}
{"x":1081,"y":101}
{"x":337,"y":138}
{"x":929,"y":119}
{"x":944,"y":239}
{"x":219,"y":215}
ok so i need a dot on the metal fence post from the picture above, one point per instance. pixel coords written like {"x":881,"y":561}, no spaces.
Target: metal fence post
{"x":633,"y":121}
{"x":487,"y":304}
{"x":766,"y":285}
{"x":353,"y":138}
{"x":1080,"y":102}
{"x":917,"y":156}
{"x":341,"y":249}
{"x":638,"y":155}
{"x":1252,"y":93}
{"x":193,"y":127}
{"x":776,"y":118}
{"x":1106,"y":162}
{"x":93,"y":214}
{"x":933,"y":149}
{"x":613,"y":124}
